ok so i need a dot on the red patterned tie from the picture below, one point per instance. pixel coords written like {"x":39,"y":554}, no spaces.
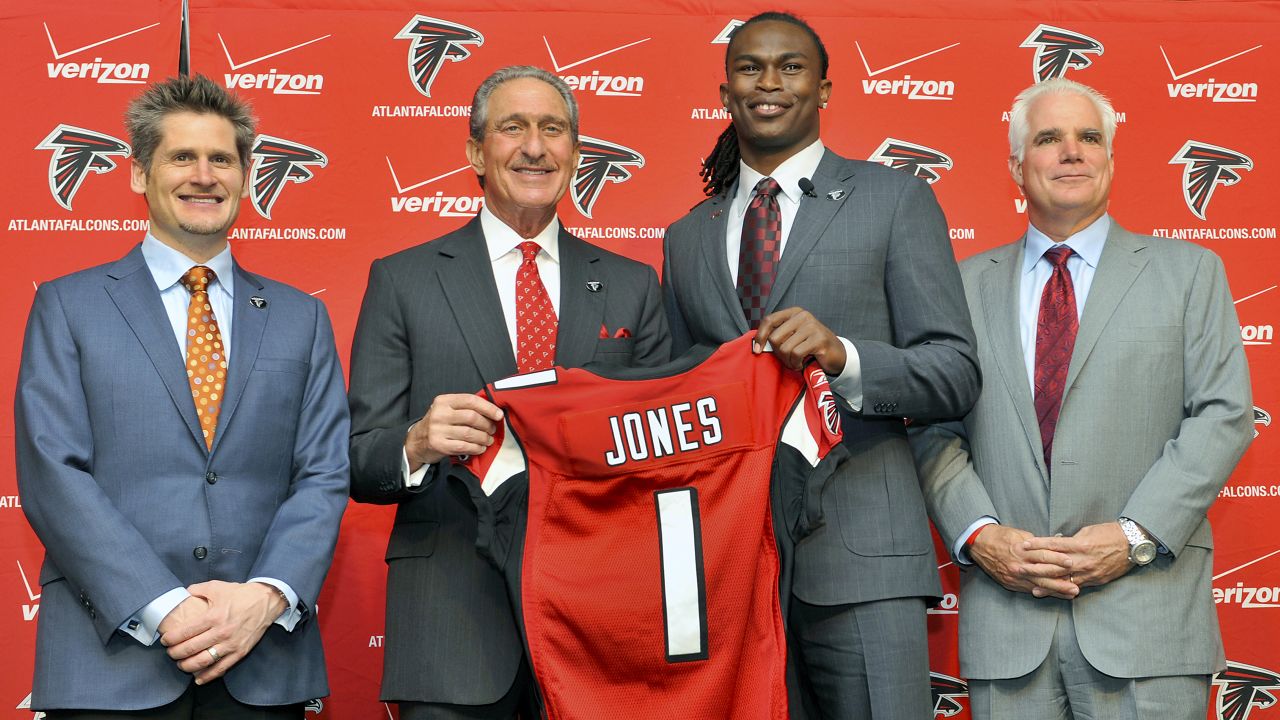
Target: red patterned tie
{"x":536,"y":322}
{"x":758,"y":254}
{"x":1055,"y":338}
{"x":206,"y":361}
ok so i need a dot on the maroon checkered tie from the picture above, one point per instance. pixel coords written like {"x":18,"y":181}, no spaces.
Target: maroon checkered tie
{"x":536,"y":322}
{"x":1055,"y":338}
{"x":758,"y":254}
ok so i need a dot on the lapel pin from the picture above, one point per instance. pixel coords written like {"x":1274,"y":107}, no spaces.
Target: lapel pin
{"x":835,"y":194}
{"x":257,"y":302}
{"x":716,"y":214}
{"x":595,"y":285}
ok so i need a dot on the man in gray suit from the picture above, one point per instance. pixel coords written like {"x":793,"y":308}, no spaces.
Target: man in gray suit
{"x":867,"y":286}
{"x":181,"y":444}
{"x":1116,"y":405}
{"x":439,"y":321}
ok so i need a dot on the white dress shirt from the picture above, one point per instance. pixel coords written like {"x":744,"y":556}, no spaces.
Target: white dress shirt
{"x":848,"y":384}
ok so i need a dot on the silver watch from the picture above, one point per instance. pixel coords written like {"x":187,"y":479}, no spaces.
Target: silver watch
{"x":1142,"y":549}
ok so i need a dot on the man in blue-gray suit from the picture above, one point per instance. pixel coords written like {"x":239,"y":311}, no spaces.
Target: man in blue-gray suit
{"x":188,"y":518}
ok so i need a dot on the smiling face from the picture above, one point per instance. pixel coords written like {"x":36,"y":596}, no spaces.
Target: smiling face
{"x":194,"y":184}
{"x":773,"y":91}
{"x":527,"y":156}
{"x":1066,"y":167}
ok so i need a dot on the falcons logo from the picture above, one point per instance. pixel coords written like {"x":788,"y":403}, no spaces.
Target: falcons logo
{"x":1058,"y":50}
{"x":947,"y":691}
{"x":600,"y":162}
{"x":1243,"y":688}
{"x":1260,"y":417}
{"x":434,"y":42}
{"x":916,"y":159}
{"x":826,"y":400}
{"x":77,"y":152}
{"x":314,"y":706}
{"x":276,"y":162}
{"x":1207,"y":167}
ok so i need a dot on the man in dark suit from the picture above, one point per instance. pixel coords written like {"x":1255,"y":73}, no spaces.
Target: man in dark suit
{"x":867,"y":286}
{"x":181,"y":444}
{"x":510,"y":291}
{"x":1117,"y":403}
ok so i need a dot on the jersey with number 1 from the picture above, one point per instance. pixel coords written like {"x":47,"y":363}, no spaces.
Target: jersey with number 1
{"x":635,"y":521}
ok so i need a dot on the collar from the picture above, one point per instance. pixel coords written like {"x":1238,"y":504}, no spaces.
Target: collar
{"x":501,"y":239}
{"x":168,"y":265}
{"x":801,"y":165}
{"x":1087,"y":243}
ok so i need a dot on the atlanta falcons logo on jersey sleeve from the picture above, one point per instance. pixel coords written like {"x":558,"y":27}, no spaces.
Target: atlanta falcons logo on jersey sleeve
{"x":1058,"y":50}
{"x":1244,"y":688}
{"x":600,"y":162}
{"x":434,"y":42}
{"x":947,"y":691}
{"x":1207,"y":167}
{"x":918,"y":160}
{"x":76,"y":153}
{"x":275,"y":162}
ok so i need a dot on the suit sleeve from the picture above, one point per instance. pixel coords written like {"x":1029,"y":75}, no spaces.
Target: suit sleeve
{"x":298,"y":547}
{"x":1173,"y":497}
{"x":930,"y":370}
{"x":681,"y":339}
{"x":111,"y":568}
{"x":653,"y":338}
{"x":381,"y":372}
{"x":953,"y":493}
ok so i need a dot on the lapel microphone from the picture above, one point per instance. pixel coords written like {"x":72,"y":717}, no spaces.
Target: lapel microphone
{"x":806,"y":187}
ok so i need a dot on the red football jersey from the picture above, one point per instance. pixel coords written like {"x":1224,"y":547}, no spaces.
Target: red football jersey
{"x":634,"y":520}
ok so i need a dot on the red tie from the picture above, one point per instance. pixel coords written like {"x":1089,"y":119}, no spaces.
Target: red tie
{"x":1055,"y":338}
{"x":758,"y":254}
{"x":535,"y":316}
{"x":206,"y":360}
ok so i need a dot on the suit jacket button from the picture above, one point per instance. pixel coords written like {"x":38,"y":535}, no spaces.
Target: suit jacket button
{"x":210,"y":477}
{"x":200,"y":552}
{"x":93,"y":615}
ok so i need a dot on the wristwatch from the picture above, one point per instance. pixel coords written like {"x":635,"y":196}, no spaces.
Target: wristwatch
{"x":1142,"y":549}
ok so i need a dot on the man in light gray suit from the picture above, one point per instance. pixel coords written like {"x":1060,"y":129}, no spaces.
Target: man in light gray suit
{"x":181,"y":444}
{"x":1115,"y":406}
{"x":867,"y":286}
{"x":439,"y":321}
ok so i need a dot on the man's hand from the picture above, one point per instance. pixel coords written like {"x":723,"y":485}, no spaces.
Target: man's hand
{"x":455,"y":424}
{"x":796,"y":335}
{"x":237,"y":616}
{"x":1098,"y":553}
{"x":1008,"y":556}
{"x":188,"y":613}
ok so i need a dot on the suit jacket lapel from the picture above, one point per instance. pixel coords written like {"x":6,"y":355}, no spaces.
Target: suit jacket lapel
{"x":814,"y":215}
{"x":136,"y":297}
{"x":467,"y":281}
{"x":999,"y":286}
{"x":713,"y":220}
{"x":581,"y":311}
{"x":247,"y":326}
{"x":1119,"y":265}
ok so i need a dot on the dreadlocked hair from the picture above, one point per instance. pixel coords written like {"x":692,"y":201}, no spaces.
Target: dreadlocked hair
{"x":720,"y":169}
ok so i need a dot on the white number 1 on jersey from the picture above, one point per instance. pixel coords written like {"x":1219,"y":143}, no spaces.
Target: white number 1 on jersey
{"x":684,"y":588}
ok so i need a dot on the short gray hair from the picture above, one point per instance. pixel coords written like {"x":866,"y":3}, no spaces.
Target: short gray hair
{"x":480,"y":103}
{"x":1018,"y":127}
{"x":198,"y":95}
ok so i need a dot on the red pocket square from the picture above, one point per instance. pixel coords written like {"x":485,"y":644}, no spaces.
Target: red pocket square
{"x":620,"y":333}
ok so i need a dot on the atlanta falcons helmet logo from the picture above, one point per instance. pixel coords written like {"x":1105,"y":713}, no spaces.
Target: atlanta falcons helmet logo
{"x":1207,"y":167}
{"x":947,"y":691}
{"x":76,"y":153}
{"x":275,"y":162}
{"x":434,"y":42}
{"x":1058,"y":50}
{"x":1260,"y":417}
{"x":314,"y":706}
{"x":918,"y":160}
{"x":1242,"y":688}
{"x":600,"y":162}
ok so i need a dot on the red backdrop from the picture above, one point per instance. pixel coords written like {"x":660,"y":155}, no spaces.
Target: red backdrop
{"x":383,"y":151}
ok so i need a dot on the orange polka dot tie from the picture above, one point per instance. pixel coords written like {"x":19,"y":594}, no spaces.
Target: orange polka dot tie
{"x":536,"y":322}
{"x":206,"y":361}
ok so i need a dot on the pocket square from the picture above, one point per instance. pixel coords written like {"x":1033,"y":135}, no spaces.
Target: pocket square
{"x":619,"y":333}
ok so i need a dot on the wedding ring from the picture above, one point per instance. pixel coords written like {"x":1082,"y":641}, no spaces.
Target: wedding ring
{"x":213,"y":652}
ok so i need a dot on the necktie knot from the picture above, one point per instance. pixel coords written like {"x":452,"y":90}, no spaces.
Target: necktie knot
{"x":197,"y":279}
{"x":530,"y":250}
{"x":1058,"y":255}
{"x":768,"y":186}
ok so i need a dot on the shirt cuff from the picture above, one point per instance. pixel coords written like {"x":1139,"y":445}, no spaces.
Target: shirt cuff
{"x":959,"y":551}
{"x":848,"y":384}
{"x":144,"y":625}
{"x":412,"y":479}
{"x":292,"y":614}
